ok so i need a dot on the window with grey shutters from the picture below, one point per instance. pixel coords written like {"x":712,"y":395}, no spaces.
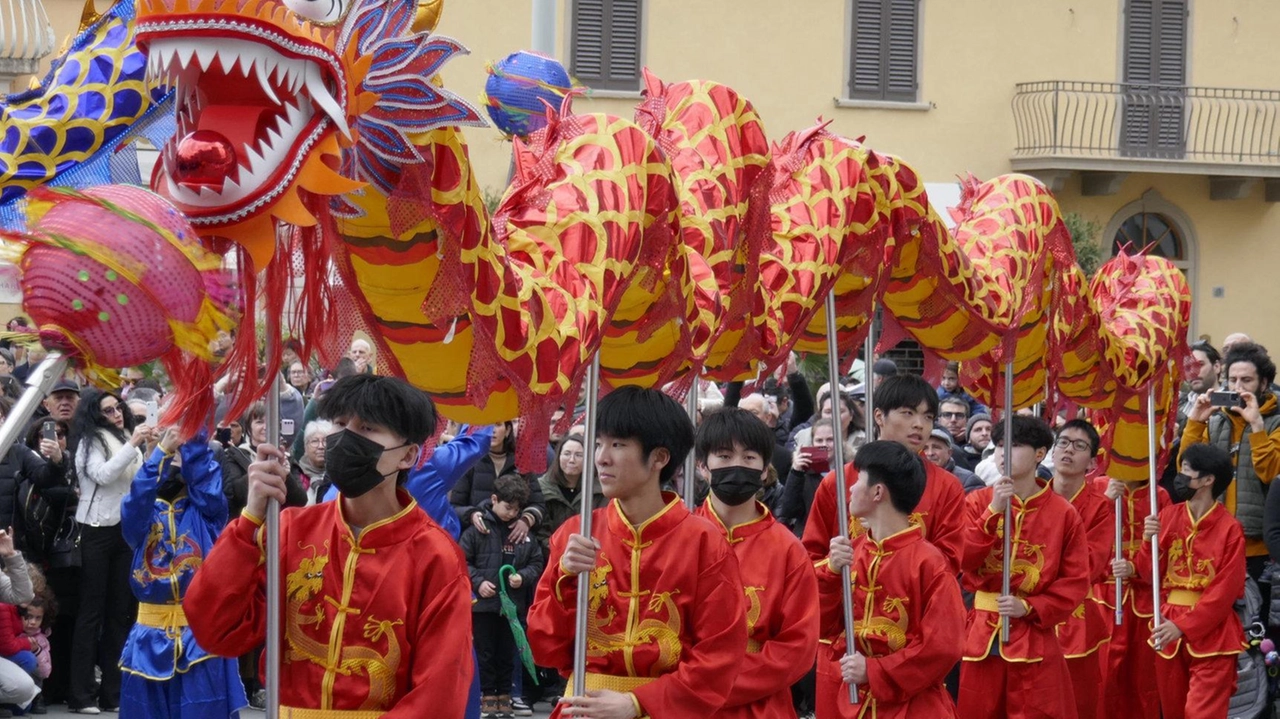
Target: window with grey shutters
{"x":605,"y":44}
{"x":884,"y":57}
{"x":1155,"y":75}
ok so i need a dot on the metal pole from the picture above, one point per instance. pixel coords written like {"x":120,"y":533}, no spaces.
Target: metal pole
{"x":1119,"y":556}
{"x":274,"y":603}
{"x":842,"y":488}
{"x":585,"y":508}
{"x":1008,"y":509}
{"x":690,"y":462}
{"x":1152,"y":493}
{"x":868,"y":398}
{"x":39,"y":382}
{"x":543,"y":38}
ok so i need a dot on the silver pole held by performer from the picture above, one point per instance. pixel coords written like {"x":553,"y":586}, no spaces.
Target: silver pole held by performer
{"x":842,"y":487}
{"x":585,"y":509}
{"x":39,"y":382}
{"x":1119,"y":556}
{"x":272,"y":525}
{"x":868,"y":390}
{"x":1005,"y":587}
{"x":690,"y":462}
{"x":1152,"y":493}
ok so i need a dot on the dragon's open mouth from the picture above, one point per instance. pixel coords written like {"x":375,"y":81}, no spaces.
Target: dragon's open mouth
{"x":247,"y":113}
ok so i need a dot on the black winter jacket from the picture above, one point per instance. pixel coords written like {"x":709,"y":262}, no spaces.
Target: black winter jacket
{"x":475,"y":488}
{"x":484,"y":559}
{"x":235,"y":481}
{"x":797,"y":498}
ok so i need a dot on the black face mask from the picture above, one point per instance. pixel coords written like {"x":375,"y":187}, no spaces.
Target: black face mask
{"x":735,"y":485}
{"x":1182,"y":490}
{"x":351,"y":462}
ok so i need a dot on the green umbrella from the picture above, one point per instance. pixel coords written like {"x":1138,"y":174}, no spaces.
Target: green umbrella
{"x":508,"y":610}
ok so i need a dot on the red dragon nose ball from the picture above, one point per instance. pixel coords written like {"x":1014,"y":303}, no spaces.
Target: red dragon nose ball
{"x":204,"y":159}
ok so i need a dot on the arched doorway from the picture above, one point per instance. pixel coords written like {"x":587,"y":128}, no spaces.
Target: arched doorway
{"x":1154,"y":222}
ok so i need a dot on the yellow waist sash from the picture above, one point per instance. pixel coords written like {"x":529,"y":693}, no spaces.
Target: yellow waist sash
{"x":1183,"y":597}
{"x":986,"y":601}
{"x":292,"y":713}
{"x":161,"y":616}
{"x":610,"y":682}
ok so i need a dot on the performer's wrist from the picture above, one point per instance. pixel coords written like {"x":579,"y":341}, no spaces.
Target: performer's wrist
{"x":253,"y":518}
{"x":635,"y":702}
{"x":1026,"y":607}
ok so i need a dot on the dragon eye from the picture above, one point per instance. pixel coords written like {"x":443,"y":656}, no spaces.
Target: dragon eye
{"x":321,"y":12}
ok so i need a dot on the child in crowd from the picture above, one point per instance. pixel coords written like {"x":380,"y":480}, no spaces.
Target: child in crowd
{"x":487,"y":553}
{"x":37,"y":616}
{"x":951,"y":389}
{"x":1202,"y":560}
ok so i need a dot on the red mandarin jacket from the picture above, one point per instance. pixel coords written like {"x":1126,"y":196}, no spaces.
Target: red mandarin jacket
{"x":908,"y":621}
{"x":782,"y":615}
{"x":380,"y":623}
{"x":1135,"y":505}
{"x":667,"y":611}
{"x":1049,"y":572}
{"x":1088,"y":627}
{"x":1203,"y":560}
{"x":941,"y":510}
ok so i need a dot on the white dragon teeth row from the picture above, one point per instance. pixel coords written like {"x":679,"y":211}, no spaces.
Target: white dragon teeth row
{"x":182,"y":63}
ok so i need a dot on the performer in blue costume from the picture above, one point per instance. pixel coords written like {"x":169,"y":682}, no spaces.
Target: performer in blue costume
{"x":171,"y":517}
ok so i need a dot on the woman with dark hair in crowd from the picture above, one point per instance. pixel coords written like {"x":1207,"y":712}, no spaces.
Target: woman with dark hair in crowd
{"x":107,"y":459}
{"x":236,"y":461}
{"x":561,"y":487}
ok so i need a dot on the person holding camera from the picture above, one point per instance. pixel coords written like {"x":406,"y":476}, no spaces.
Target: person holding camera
{"x":1245,"y":422}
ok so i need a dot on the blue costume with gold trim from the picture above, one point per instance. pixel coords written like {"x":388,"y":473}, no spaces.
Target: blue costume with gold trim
{"x":165,"y":671}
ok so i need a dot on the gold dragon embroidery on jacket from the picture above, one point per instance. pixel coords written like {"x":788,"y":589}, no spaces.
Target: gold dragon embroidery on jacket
{"x":1185,"y":570}
{"x":665,"y":633}
{"x":304,"y":585}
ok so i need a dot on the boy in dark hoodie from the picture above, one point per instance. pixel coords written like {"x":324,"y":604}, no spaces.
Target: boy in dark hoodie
{"x":486,"y":554}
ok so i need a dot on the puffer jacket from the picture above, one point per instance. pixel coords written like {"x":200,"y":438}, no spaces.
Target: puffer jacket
{"x":484,"y":559}
{"x":559,"y":509}
{"x":476,"y":487}
{"x":22,"y":464}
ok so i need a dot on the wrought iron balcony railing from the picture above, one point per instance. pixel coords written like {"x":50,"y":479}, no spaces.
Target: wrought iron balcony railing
{"x":1127,"y":121}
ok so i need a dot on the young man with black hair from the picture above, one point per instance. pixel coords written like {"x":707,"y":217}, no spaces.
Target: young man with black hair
{"x":905,"y":407}
{"x":1087,"y":629}
{"x":908,"y":614}
{"x":666,"y":624}
{"x":733,"y":448}
{"x":377,"y":614}
{"x":1049,"y":578}
{"x":1202,"y":562}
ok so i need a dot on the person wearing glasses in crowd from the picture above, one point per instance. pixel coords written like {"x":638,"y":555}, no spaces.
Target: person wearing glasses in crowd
{"x":108,"y":456}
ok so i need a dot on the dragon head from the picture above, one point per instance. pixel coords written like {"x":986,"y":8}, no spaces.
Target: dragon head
{"x":279,"y":101}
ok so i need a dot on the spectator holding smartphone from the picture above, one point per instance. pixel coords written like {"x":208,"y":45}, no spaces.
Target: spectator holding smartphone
{"x":808,"y":466}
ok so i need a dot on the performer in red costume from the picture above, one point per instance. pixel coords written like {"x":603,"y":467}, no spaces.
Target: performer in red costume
{"x":908,"y":614}
{"x":1128,"y":662}
{"x":733,"y":449}
{"x":1026,"y":677}
{"x":1202,"y":566}
{"x":905,"y":407}
{"x":666,"y":633}
{"x":377,"y":615}
{"x":1085,"y":631}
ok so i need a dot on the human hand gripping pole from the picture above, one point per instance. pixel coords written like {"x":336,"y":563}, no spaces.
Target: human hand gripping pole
{"x":842,"y":487}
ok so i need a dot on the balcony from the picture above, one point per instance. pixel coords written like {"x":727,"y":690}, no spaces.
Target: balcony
{"x":1105,"y":130}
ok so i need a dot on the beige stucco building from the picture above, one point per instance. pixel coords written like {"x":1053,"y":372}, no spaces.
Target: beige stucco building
{"x":1122,"y":106}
